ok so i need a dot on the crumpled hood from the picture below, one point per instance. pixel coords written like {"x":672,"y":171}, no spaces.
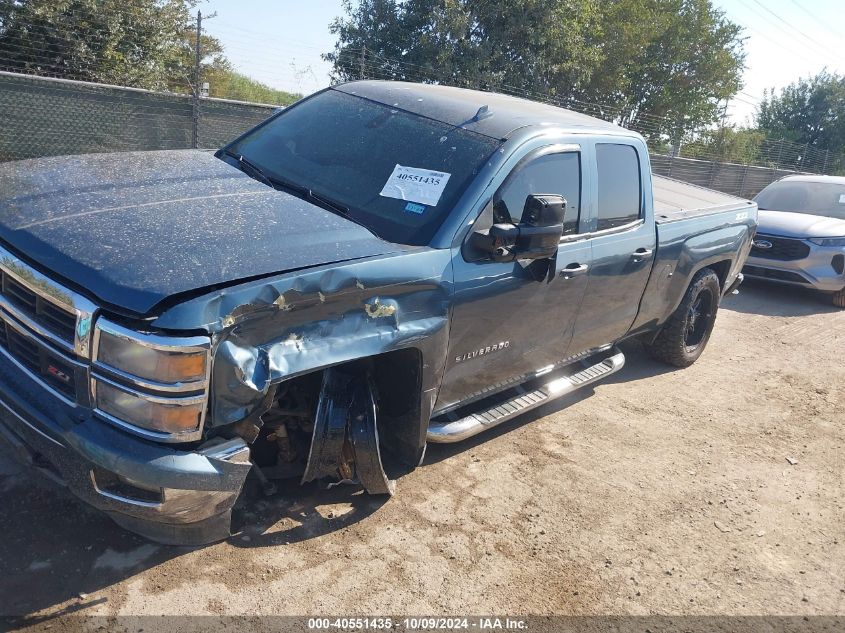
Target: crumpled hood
{"x":801,"y":225}
{"x":134,"y":228}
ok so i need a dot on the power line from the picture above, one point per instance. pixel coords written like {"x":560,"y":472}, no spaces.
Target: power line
{"x":818,"y":48}
{"x":780,"y":44}
{"x":816,"y":19}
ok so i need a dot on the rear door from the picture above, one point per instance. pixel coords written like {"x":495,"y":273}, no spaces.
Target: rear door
{"x":623,"y":243}
{"x":510,"y":319}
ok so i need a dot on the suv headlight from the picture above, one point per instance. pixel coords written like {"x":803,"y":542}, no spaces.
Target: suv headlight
{"x":828,"y":241}
{"x":150,"y":384}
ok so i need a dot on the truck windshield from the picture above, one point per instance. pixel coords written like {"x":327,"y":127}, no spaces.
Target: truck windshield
{"x":396,"y":173}
{"x":799,"y":196}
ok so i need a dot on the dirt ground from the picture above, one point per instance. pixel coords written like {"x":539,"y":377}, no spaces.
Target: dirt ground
{"x":658,"y":492}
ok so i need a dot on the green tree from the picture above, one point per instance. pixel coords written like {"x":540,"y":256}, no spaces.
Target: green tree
{"x":729,"y":144}
{"x":668,"y":65}
{"x":228,"y":84}
{"x":810,"y":112}
{"x":140,"y":43}
{"x":656,"y":65}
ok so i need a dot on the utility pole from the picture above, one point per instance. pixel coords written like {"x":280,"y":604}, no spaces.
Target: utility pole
{"x":721,"y":148}
{"x":195,"y":115}
{"x":363,"y":60}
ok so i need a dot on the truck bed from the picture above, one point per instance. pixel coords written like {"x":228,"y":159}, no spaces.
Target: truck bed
{"x":675,"y":200}
{"x":695,"y":227}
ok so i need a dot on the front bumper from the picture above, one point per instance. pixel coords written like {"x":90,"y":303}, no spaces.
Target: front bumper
{"x":168,"y":495}
{"x":817,"y":270}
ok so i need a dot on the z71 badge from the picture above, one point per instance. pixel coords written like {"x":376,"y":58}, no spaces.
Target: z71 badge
{"x":484,"y":350}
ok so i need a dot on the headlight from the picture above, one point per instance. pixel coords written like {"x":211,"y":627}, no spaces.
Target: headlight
{"x":828,"y":241}
{"x":175,"y":418}
{"x":172,"y":364}
{"x":153,"y":385}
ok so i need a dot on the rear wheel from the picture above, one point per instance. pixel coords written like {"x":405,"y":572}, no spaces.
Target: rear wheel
{"x":684,"y":336}
{"x":839,"y":298}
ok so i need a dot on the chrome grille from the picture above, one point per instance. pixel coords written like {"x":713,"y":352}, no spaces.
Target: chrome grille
{"x":50,"y":312}
{"x":51,"y":367}
{"x":58,"y":320}
{"x":45,"y":329}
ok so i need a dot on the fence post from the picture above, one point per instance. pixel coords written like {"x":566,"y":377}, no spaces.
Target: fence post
{"x":672,"y":154}
{"x":744,"y":178}
{"x":713,"y":170}
{"x":777,"y":160}
{"x":195,"y":115}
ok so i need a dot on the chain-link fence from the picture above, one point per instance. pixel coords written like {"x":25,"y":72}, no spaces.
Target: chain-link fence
{"x":45,"y":117}
{"x":745,"y":181}
{"x":41,"y":115}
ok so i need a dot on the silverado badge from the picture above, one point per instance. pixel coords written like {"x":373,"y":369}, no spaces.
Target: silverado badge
{"x":482,"y":351}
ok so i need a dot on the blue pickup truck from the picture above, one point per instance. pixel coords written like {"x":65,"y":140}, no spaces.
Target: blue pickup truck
{"x":379,"y":266}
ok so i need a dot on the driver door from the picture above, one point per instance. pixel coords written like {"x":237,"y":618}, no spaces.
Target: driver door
{"x":512,"y":319}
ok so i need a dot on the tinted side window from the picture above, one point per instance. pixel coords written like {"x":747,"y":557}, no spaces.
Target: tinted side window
{"x":619,"y":185}
{"x":553,"y":173}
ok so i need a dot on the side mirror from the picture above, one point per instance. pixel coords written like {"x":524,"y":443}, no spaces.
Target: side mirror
{"x":541,"y":226}
{"x":535,"y":237}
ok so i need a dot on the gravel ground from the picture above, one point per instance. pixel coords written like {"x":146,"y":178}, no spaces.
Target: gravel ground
{"x":716,"y":489}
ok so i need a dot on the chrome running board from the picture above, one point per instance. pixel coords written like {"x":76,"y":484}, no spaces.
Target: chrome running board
{"x":454,"y":427}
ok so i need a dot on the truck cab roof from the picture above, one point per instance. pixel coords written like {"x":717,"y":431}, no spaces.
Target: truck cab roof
{"x":460,"y":106}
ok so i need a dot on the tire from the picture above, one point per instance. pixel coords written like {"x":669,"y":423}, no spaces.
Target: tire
{"x":839,"y":298}
{"x":684,"y":336}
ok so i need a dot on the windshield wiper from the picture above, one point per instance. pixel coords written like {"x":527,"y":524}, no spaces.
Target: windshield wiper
{"x":325,"y":200}
{"x":247,"y":165}
{"x":338,"y":209}
{"x":298,"y":190}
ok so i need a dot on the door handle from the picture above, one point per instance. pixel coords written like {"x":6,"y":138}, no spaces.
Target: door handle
{"x":641,"y":253}
{"x":573,"y":270}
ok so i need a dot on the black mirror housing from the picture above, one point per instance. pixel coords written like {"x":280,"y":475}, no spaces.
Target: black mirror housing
{"x":497,"y":242}
{"x":536,"y":236}
{"x":541,"y":226}
{"x":543,"y":210}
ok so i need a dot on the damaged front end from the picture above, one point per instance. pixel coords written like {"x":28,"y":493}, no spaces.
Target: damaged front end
{"x":325,"y":374}
{"x":316,"y":374}
{"x":345,"y":444}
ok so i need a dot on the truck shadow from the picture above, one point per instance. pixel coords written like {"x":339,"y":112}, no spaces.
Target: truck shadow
{"x":436,"y":453}
{"x":637,"y":366}
{"x":298,"y":513}
{"x":57,"y":551}
{"x":770,"y":299}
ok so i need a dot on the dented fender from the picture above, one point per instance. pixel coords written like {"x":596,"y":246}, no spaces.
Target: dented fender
{"x":273,"y":329}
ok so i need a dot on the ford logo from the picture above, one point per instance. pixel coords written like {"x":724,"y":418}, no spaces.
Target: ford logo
{"x":762,"y":244}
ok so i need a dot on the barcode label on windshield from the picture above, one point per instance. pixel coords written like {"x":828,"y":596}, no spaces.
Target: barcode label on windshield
{"x":415,"y":185}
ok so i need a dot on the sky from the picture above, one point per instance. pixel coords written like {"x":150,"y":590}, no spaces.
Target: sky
{"x":280,"y":42}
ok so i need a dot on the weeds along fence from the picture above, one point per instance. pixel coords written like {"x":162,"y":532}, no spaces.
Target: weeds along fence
{"x":47,"y":117}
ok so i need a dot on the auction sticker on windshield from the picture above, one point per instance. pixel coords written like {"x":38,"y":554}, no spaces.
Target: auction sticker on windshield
{"x":415,"y":185}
